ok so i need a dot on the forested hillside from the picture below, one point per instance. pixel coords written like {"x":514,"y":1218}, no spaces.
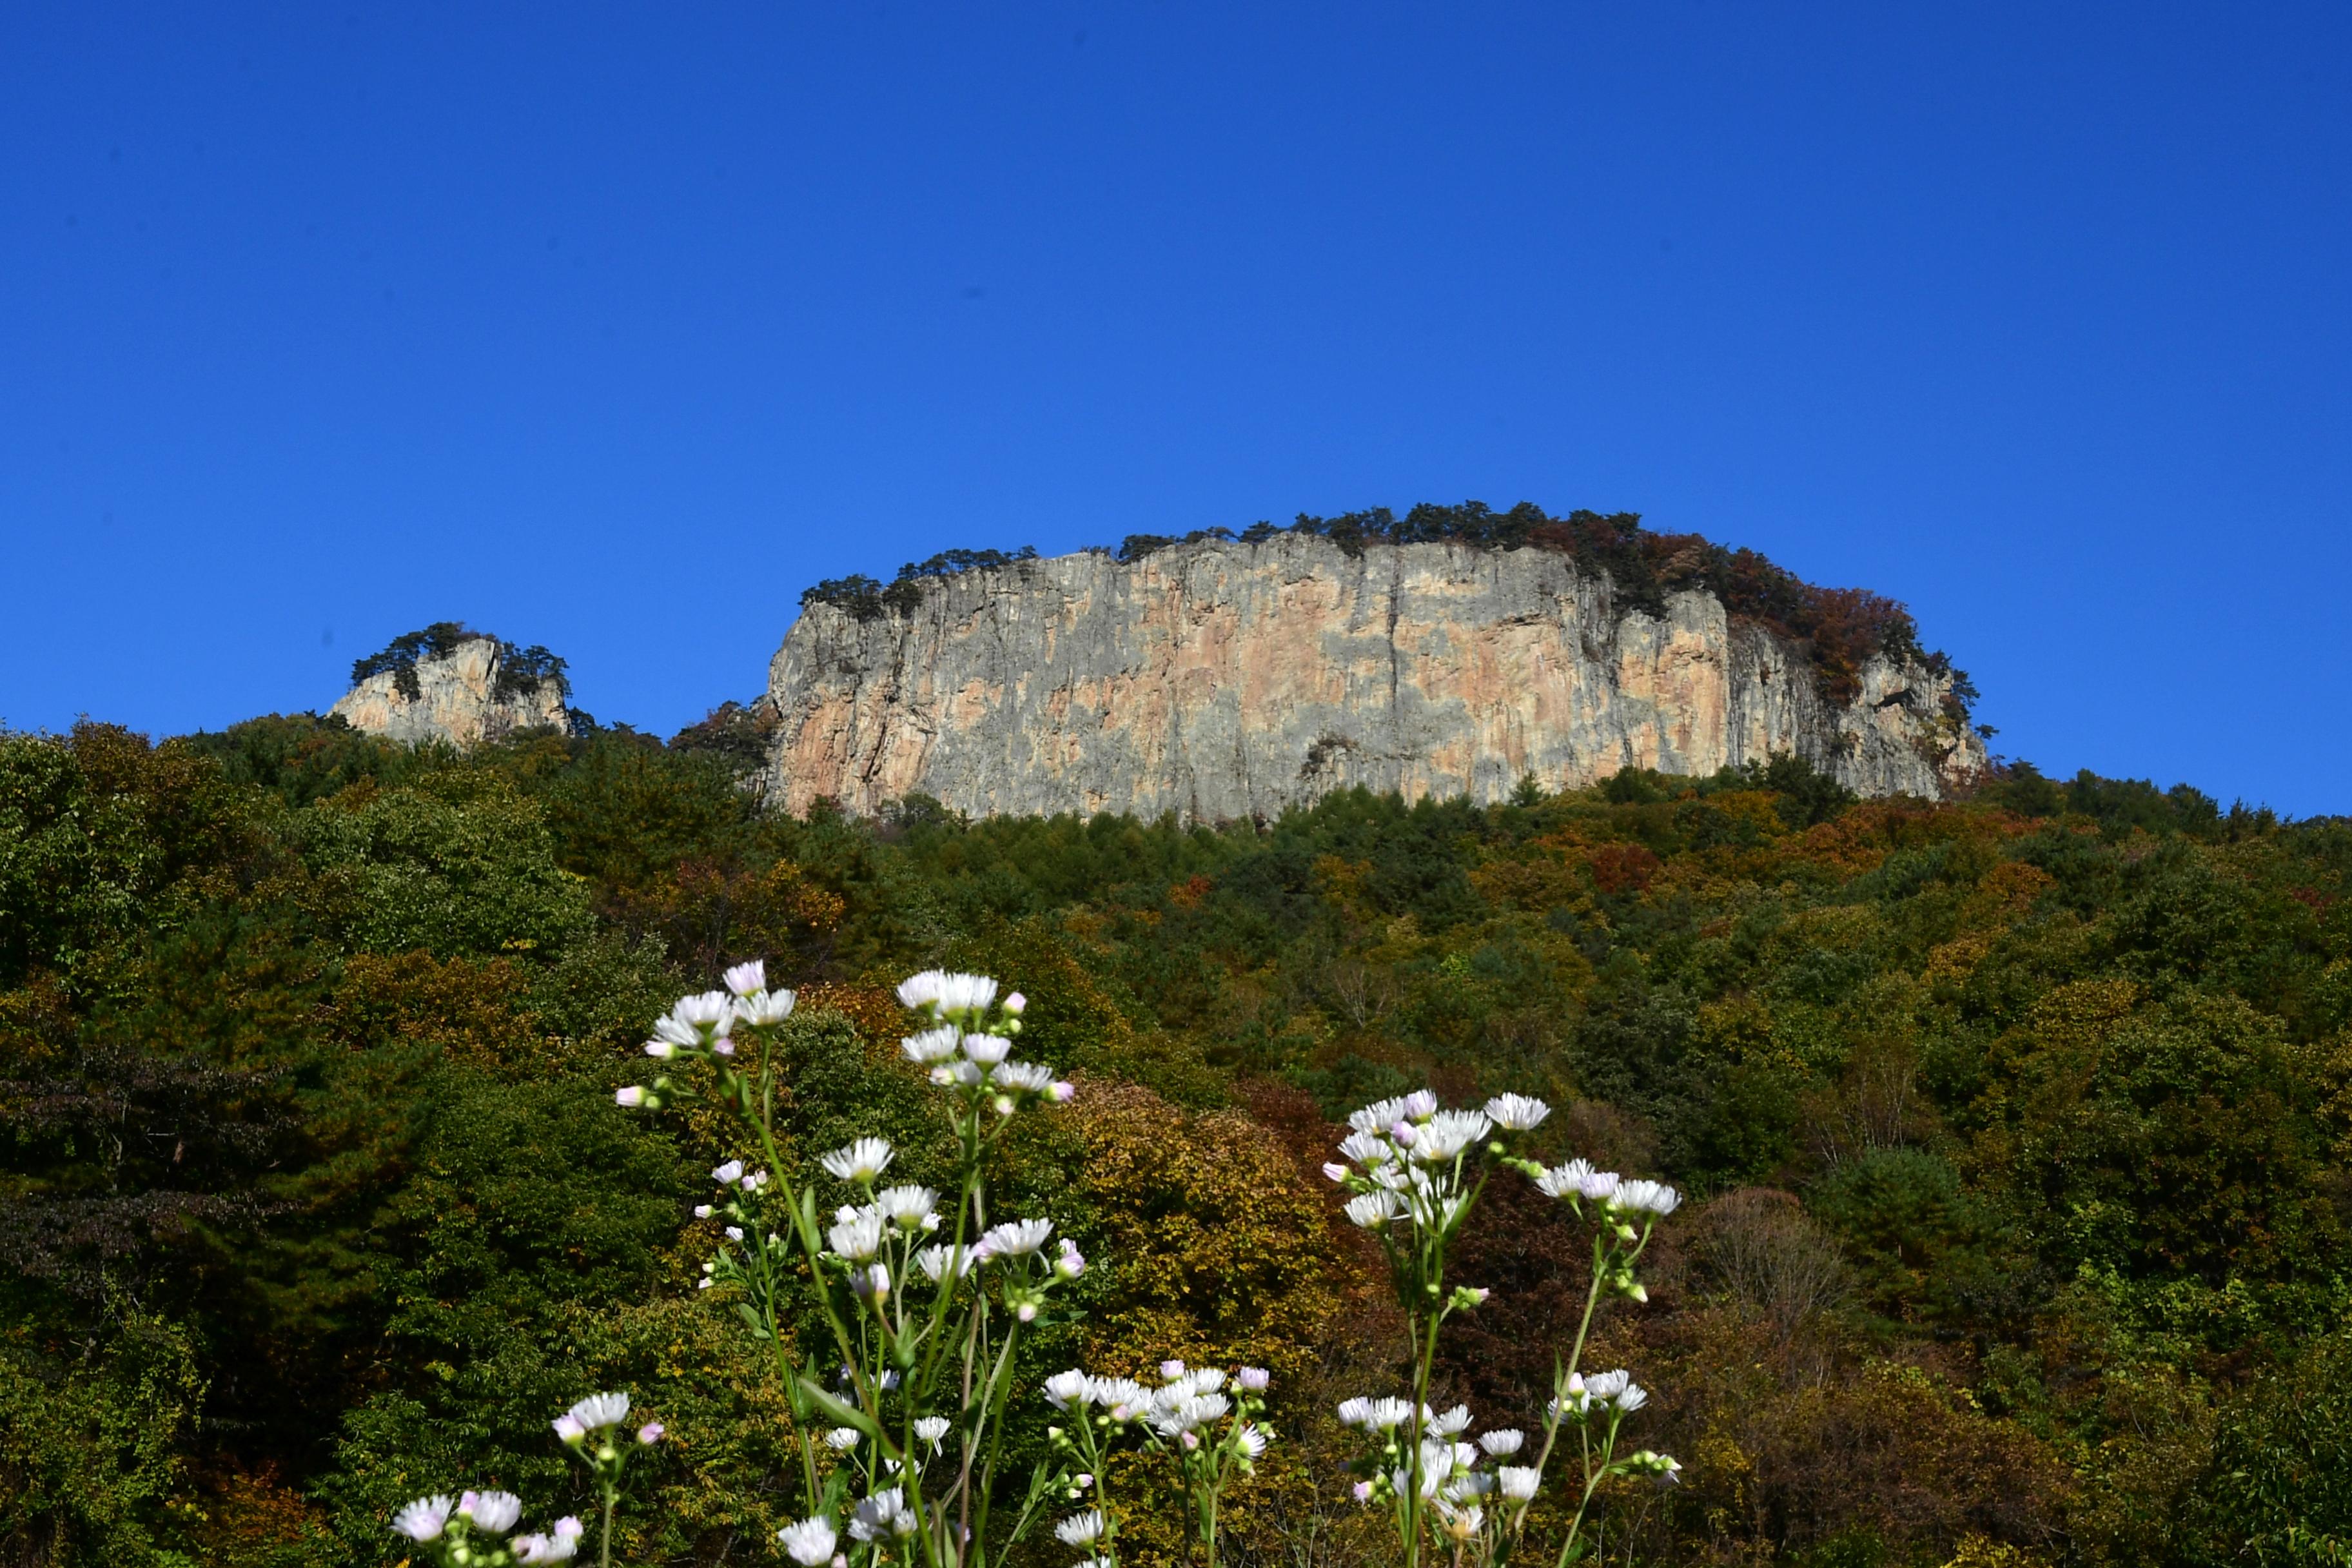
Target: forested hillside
{"x":2016,"y":1130}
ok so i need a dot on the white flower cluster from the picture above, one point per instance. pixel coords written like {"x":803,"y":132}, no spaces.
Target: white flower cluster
{"x":704,"y":1026}
{"x":446,"y":1527}
{"x":976,"y":1061}
{"x":1456,"y":1472}
{"x":1186,"y":1400}
{"x":876,"y":1240}
{"x":437,"y":1521}
{"x":1206,"y":1418}
{"x":1625,"y":1211}
{"x":1405,"y":1156}
{"x":1578,"y":1184}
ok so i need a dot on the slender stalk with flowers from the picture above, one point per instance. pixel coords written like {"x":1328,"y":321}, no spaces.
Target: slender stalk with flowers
{"x":476,"y":1529}
{"x":924,"y":1295}
{"x":1213,"y":1436}
{"x":1414,"y":1172}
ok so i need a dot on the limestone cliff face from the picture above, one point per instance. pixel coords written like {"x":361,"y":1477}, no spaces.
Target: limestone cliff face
{"x":458,"y":701}
{"x":1220,"y":680}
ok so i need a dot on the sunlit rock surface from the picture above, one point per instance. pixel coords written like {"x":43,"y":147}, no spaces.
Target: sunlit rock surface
{"x":1219,"y":679}
{"x":458,"y":701}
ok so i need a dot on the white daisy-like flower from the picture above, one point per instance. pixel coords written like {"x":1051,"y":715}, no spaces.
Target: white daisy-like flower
{"x":987,"y":1049}
{"x":1378,"y":1116}
{"x":1629,"y":1398}
{"x":1029,"y":1077}
{"x":1503,"y":1440}
{"x":1607,"y":1384}
{"x":538,"y":1549}
{"x":1646,"y":1197}
{"x":1454,"y":1420}
{"x":1518,"y":1482}
{"x":859,"y":1162}
{"x":676,"y":1032}
{"x":1443,"y":1460}
{"x":707,"y":1010}
{"x":938,"y":1261}
{"x":1016,"y":1238}
{"x":932,"y":1046}
{"x":424,"y":1519}
{"x":937,"y":990}
{"x":841,"y":1440}
{"x":1448,"y":1134}
{"x":1255,"y":1379}
{"x":931,"y":1428}
{"x":746,"y":978}
{"x":1190,"y":1413}
{"x":1418,"y":1106}
{"x":599,"y":1410}
{"x":1080,"y":1529}
{"x":765,"y":1007}
{"x":871,"y":1284}
{"x":1250,"y":1440}
{"x":1373,"y":1210}
{"x":728,"y":1174}
{"x":1065,"y":1389}
{"x":1386,"y":1415}
{"x":810,"y":1542}
{"x":1121,"y":1398}
{"x":882,"y":1516}
{"x":1460,"y":1523}
{"x":1517,"y":1113}
{"x":1367,"y":1149}
{"x":493,"y":1513}
{"x":1578,"y":1179}
{"x":858,"y":1237}
{"x":907,"y":1207}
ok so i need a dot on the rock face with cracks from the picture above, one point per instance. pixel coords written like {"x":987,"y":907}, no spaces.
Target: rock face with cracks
{"x":1219,"y":679}
{"x":458,"y":701}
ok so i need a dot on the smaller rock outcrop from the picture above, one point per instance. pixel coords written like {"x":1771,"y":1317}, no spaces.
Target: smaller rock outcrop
{"x":447,"y":683}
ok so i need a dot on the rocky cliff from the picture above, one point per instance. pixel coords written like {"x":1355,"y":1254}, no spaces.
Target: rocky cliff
{"x":456,"y":696}
{"x":1220,"y":679}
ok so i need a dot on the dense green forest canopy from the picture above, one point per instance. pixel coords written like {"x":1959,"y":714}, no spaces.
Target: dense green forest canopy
{"x":2016,"y":1129}
{"x":1840,"y":629}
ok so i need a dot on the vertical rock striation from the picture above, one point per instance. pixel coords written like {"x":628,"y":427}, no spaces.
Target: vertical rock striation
{"x":1220,"y":680}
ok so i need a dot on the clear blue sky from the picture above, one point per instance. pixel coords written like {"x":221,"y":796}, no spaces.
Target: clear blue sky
{"x":613,"y":328}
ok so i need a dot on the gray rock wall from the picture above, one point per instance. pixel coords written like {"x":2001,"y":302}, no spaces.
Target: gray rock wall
{"x":1220,"y":680}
